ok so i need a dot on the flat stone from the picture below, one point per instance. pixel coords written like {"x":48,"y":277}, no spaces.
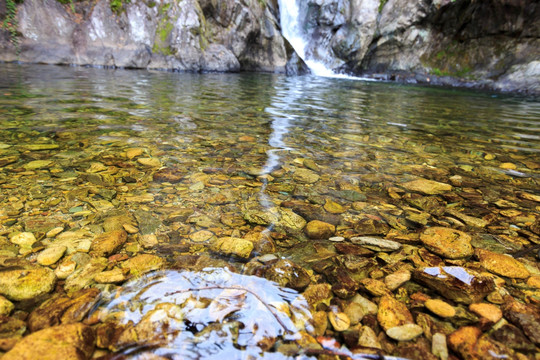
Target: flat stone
{"x":170,"y":175}
{"x":375,"y":287}
{"x":26,"y":284}
{"x":395,"y":280}
{"x":51,"y":255}
{"x":376,"y":244}
{"x":70,"y":341}
{"x":368,"y":338}
{"x":333,"y":207}
{"x":108,"y":243}
{"x":306,"y":176}
{"x":456,"y":283}
{"x":441,"y":308}
{"x":142,"y":264}
{"x":405,"y":332}
{"x":447,"y":242}
{"x":150,"y":162}
{"x":439,"y":347}
{"x":134,"y":152}
{"x":233,"y":246}
{"x":84,"y":276}
{"x":392,"y":313}
{"x":428,"y":187}
{"x":40,"y":147}
{"x":24,"y":239}
{"x":113,"y":276}
{"x":316,"y":229}
{"x":503,"y":265}
{"x":487,"y":311}
{"x":38,"y":164}
{"x":524,"y":316}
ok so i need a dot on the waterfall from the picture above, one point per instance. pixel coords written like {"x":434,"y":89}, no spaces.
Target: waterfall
{"x":293,"y":31}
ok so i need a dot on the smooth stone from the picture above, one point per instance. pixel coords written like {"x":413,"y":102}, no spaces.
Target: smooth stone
{"x":376,"y":244}
{"x":428,"y":187}
{"x":144,"y":198}
{"x":405,"y":332}
{"x":26,"y":284}
{"x":113,"y":276}
{"x":233,"y":246}
{"x":84,"y":276}
{"x":130,"y":229}
{"x":316,"y":229}
{"x":6,"y":306}
{"x":69,"y":341}
{"x":441,"y":308}
{"x":392,"y":313}
{"x":53,"y":232}
{"x":395,"y":280}
{"x":503,"y":265}
{"x":447,"y":242}
{"x":288,"y":274}
{"x":336,"y":238}
{"x":143,"y":263}
{"x":534,"y":281}
{"x":367,"y":338}
{"x":108,"y":243}
{"x":37,"y":164}
{"x":150,"y":162}
{"x":24,"y":239}
{"x":439,"y":347}
{"x":339,"y":320}
{"x":201,"y":236}
{"x":508,"y":166}
{"x":134,"y":152}
{"x":51,"y":255}
{"x":64,"y":269}
{"x":148,"y":241}
{"x":487,"y":311}
{"x":355,"y":312}
{"x":368,"y":307}
{"x":333,"y":207}
{"x":306,"y":176}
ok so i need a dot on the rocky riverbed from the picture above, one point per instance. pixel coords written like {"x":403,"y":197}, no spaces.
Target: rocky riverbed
{"x":366,"y":238}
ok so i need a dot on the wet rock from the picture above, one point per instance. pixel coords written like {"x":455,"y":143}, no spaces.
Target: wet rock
{"x":24,"y":239}
{"x":392,"y":313}
{"x":525,"y":316}
{"x":318,"y":294}
{"x":503,"y":265}
{"x":84,"y":276}
{"x":534,"y":281}
{"x":63,"y":309}
{"x":514,"y":338}
{"x":333,"y":207}
{"x":305,"y":176}
{"x":113,"y":276}
{"x":371,"y":227}
{"x":405,"y":332}
{"x":339,"y":320}
{"x":150,"y":162}
{"x":26,"y":284}
{"x":441,"y":308}
{"x":108,"y":243}
{"x":51,"y":255}
{"x":319,"y":230}
{"x":367,"y":338}
{"x":469,"y":220}
{"x":456,"y":283}
{"x":233,"y":246}
{"x":487,"y":311}
{"x":376,"y":244}
{"x":375,"y":287}
{"x":288,"y":274}
{"x":11,"y":331}
{"x":38,"y":164}
{"x":71,"y":341}
{"x":6,"y":306}
{"x":149,"y":223}
{"x":142,"y":264}
{"x":446,"y":242}
{"x":395,"y":280}
{"x":355,"y":312}
{"x":469,"y":343}
{"x":64,"y":269}
{"x":428,"y":187}
{"x":346,"y":248}
{"x":439,"y":347}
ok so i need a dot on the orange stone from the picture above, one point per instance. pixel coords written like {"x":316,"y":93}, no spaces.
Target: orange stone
{"x":488,"y":311}
{"x":503,"y":265}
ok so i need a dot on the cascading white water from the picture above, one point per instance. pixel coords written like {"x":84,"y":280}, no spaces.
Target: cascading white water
{"x":289,"y":13}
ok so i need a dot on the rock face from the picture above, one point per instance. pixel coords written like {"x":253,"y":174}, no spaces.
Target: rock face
{"x":493,"y":43}
{"x":450,"y":42}
{"x":192,"y":35}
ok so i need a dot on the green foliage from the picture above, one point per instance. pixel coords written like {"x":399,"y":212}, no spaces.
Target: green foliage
{"x":117,"y":6}
{"x":381,"y":4}
{"x":70,"y":2}
{"x":10,"y":24}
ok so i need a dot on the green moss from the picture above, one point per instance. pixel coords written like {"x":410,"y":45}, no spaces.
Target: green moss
{"x":117,"y":6}
{"x":381,"y":5}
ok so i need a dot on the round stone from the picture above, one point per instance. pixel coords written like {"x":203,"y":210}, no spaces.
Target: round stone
{"x":441,"y":308}
{"x":405,"y":332}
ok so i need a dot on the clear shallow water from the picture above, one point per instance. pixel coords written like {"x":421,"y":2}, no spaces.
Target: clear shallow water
{"x":237,"y":140}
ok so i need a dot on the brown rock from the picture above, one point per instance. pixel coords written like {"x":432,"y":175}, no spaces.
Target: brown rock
{"x":441,"y":308}
{"x":375,"y":287}
{"x":395,"y":280}
{"x":470,"y":344}
{"x":142,"y":264}
{"x":446,"y":242}
{"x":288,"y":274}
{"x":487,"y":311}
{"x":72,"y":341}
{"x":428,"y":187}
{"x":525,"y":316}
{"x":319,"y":230}
{"x":25,"y":284}
{"x":108,"y":243}
{"x":392,"y":313}
{"x":170,"y":175}
{"x":503,"y":265}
